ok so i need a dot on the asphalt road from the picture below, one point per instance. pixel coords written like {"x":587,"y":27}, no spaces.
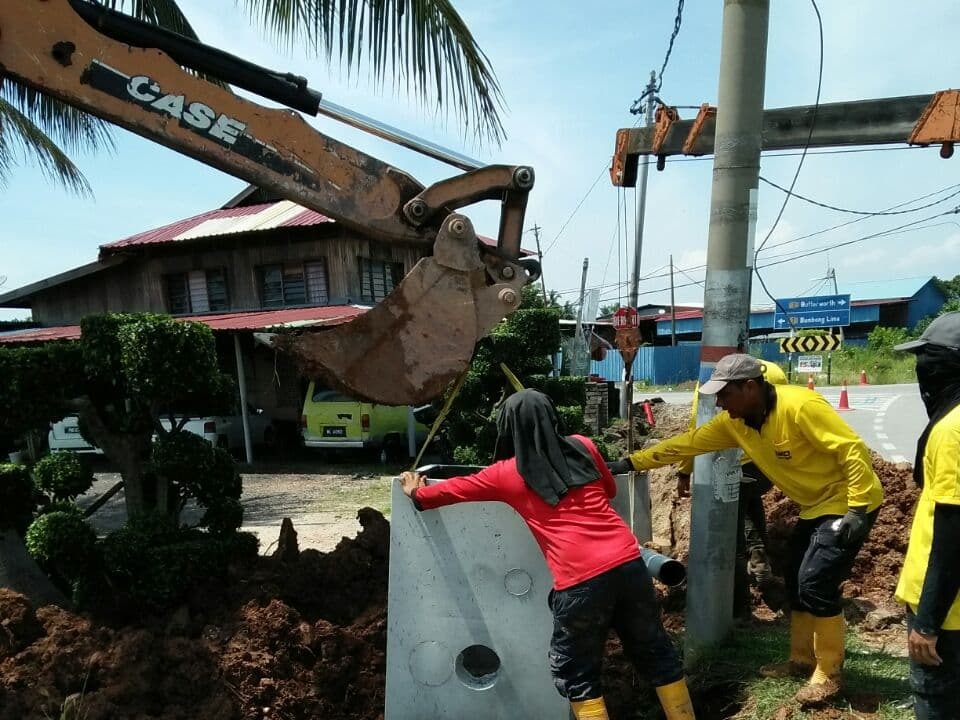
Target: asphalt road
{"x":889,"y":418}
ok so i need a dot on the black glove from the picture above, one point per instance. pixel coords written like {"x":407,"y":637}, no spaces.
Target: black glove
{"x":853,"y":527}
{"x":620,"y":467}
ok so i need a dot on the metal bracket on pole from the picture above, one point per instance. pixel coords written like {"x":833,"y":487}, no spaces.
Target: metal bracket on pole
{"x":664,"y":118}
{"x":939,"y":123}
{"x":707,"y":112}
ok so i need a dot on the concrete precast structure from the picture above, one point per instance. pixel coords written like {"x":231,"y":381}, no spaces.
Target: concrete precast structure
{"x":468,"y":621}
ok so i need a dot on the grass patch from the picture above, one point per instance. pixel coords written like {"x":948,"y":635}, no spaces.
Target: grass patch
{"x":875,"y":682}
{"x":345,"y":498}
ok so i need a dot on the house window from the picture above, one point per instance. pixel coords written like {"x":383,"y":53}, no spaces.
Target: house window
{"x":294,"y":284}
{"x":198,"y":291}
{"x":378,"y":278}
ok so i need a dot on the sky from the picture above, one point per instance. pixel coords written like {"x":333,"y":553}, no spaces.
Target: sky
{"x":569,"y":73}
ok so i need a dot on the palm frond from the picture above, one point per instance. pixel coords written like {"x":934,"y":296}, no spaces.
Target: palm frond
{"x":21,"y":139}
{"x":423,"y":44}
{"x":67,"y":126}
{"x":165,"y":13}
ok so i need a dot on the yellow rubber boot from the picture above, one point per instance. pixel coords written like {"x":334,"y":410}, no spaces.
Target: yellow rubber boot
{"x":802,"y":659}
{"x":593,"y":709}
{"x":675,"y":701}
{"x":828,"y":648}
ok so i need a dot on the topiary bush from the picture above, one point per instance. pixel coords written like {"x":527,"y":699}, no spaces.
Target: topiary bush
{"x":17,"y":498}
{"x":198,"y":470}
{"x":63,"y":544}
{"x":154,"y":565}
{"x":62,"y":476}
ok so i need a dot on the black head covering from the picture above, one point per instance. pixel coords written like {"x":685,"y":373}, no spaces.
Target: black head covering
{"x":549,"y":463}
{"x":938,"y":372}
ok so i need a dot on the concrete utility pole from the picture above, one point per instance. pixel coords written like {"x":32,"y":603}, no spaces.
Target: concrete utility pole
{"x":626,"y":397}
{"x":736,"y":169}
{"x":642,"y":198}
{"x":543,"y":283}
{"x":579,"y":327}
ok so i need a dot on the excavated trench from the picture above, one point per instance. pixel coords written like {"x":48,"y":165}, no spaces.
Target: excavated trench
{"x":305,"y":637}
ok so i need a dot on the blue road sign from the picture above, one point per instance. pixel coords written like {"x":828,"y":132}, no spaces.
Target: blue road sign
{"x":820,"y":311}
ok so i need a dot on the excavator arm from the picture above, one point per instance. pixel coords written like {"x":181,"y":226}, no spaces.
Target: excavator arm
{"x":408,"y":347}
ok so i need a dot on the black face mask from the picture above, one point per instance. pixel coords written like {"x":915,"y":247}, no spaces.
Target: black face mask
{"x":938,"y":373}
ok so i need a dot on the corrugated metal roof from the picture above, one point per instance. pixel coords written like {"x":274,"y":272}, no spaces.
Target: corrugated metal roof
{"x":328,"y":315}
{"x":226,"y":221}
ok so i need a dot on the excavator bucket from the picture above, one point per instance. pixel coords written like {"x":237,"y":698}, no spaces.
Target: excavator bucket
{"x":409,"y":347}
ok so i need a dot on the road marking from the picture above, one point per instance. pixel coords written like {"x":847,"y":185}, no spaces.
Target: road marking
{"x":898,"y":459}
{"x":882,"y":436}
{"x":889,"y":446}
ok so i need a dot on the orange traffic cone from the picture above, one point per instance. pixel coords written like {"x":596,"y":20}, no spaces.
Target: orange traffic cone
{"x":809,"y":382}
{"x":863,"y":377}
{"x":844,"y":403}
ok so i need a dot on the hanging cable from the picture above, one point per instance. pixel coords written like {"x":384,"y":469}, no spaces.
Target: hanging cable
{"x":637,"y":107}
{"x":867,"y":213}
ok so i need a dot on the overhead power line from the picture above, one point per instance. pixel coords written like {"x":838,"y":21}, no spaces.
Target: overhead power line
{"x":868,"y":213}
{"x":637,"y":108}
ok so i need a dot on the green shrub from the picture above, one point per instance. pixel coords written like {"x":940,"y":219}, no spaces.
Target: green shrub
{"x":17,"y":497}
{"x":467,"y":455}
{"x":564,"y":390}
{"x":571,"y":420}
{"x":62,"y":476}
{"x":198,"y":470}
{"x":607,"y":451}
{"x":223,"y":516}
{"x":63,"y":544}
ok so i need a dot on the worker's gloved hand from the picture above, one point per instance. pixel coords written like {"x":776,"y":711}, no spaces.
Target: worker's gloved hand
{"x":853,"y":527}
{"x":620,"y":467}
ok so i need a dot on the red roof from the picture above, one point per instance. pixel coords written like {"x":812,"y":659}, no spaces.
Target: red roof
{"x":223,"y":221}
{"x":328,"y":315}
{"x":228,"y":221}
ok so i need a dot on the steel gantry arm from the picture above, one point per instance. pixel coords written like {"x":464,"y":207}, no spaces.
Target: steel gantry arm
{"x":916,"y":119}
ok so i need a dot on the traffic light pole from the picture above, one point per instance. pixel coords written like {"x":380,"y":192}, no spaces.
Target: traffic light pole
{"x":733,"y":204}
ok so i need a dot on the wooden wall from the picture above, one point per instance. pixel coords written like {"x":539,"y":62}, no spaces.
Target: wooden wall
{"x":137,"y":284}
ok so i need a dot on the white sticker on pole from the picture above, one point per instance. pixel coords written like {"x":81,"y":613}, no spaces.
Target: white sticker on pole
{"x":752,"y":225}
{"x":727,"y":475}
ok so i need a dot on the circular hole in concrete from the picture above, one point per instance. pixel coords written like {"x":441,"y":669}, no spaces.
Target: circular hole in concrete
{"x":518,"y":582}
{"x":478,"y":667}
{"x":430,"y":663}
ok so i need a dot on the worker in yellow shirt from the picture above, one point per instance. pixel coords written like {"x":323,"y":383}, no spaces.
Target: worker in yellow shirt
{"x":800,"y":443}
{"x":751,"y":555}
{"x":930,"y":580}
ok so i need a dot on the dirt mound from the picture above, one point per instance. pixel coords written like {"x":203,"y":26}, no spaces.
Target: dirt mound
{"x":877,"y":567}
{"x":304,"y":638}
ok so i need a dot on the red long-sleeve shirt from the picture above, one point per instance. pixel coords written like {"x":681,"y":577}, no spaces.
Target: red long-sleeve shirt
{"x":581,"y":537}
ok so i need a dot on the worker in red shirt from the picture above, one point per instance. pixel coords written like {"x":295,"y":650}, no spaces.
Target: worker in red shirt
{"x":561,"y":488}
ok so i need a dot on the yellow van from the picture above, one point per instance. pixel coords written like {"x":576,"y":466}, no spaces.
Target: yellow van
{"x":332,"y":420}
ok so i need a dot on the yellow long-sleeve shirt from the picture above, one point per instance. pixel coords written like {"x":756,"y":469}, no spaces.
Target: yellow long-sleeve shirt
{"x":803,"y":447}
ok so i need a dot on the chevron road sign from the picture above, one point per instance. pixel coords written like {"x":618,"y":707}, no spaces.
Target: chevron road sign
{"x":819,"y":311}
{"x":810,"y":344}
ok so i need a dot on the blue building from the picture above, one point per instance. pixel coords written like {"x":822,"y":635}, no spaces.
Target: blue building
{"x":882,"y":303}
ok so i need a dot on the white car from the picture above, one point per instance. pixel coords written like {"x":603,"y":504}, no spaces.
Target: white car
{"x":224,"y":431}
{"x":65,"y":435}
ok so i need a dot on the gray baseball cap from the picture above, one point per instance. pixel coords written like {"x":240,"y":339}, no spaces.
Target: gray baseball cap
{"x":732,"y":367}
{"x":944,"y":331}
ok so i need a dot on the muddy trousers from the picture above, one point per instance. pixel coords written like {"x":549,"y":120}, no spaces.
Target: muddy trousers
{"x":751,"y":531}
{"x":817,"y":564}
{"x":936,"y":690}
{"x":623,"y":599}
